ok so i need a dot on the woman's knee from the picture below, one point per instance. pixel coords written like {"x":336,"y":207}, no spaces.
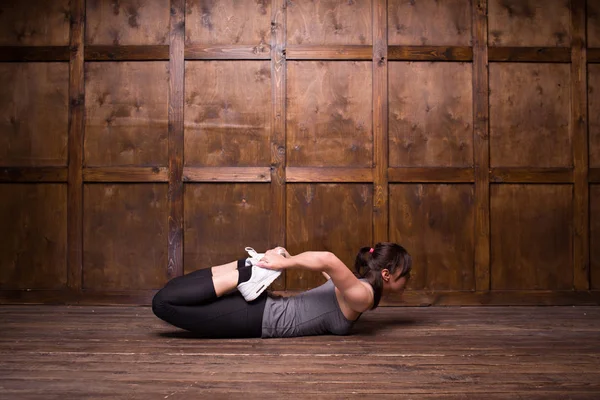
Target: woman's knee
{"x":160,"y":306}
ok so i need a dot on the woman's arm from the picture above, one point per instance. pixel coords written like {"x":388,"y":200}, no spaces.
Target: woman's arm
{"x":357,"y":295}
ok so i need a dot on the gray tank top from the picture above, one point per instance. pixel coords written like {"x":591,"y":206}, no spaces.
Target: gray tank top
{"x":314,"y":312}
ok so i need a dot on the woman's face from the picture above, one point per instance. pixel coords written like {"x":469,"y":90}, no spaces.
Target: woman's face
{"x":393,"y":283}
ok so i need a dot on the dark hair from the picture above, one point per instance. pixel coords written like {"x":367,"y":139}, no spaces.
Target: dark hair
{"x":385,"y":255}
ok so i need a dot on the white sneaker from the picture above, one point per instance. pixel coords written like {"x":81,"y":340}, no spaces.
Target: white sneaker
{"x":254,"y":256}
{"x":260,"y":280}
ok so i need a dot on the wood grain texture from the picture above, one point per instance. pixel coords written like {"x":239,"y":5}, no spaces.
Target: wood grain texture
{"x":124,"y":236}
{"x":127,"y":22}
{"x":176,"y":138}
{"x":33,"y":238}
{"x":33,"y":174}
{"x":531,"y":175}
{"x":126,"y":118}
{"x":227,"y":52}
{"x":481,"y":144}
{"x":323,"y":22}
{"x":429,"y":174}
{"x":593,"y":55}
{"x":435,"y":224}
{"x":594,"y":236}
{"x":126,"y":53}
{"x":126,"y":174}
{"x":34,"y":23}
{"x":593,"y":23}
{"x":37,"y":53}
{"x":329,"y":114}
{"x":327,"y":217}
{"x":430,"y":115}
{"x":579,"y":126}
{"x":529,"y":23}
{"x":223,"y":125}
{"x":75,"y":143}
{"x":312,"y":174}
{"x":226,"y":174}
{"x":429,"y":22}
{"x":593,"y":95}
{"x":594,"y":175}
{"x":429,"y":53}
{"x":227,"y":22}
{"x":531,"y":237}
{"x":529,"y":105}
{"x":34,"y":114}
{"x":530,"y":54}
{"x":221,"y":219}
{"x":331,"y":52}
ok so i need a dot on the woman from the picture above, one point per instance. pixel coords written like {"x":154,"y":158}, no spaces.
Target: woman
{"x":206,"y":303}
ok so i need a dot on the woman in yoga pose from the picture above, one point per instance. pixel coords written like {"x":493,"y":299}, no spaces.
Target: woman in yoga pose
{"x":207,"y":303}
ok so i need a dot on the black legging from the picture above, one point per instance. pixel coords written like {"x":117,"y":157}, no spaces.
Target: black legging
{"x":189,"y":302}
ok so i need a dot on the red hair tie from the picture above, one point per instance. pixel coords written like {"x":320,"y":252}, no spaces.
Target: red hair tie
{"x":372,"y":250}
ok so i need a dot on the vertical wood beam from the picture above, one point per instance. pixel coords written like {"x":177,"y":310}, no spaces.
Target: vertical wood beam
{"x":278,"y":119}
{"x":75,"y":143}
{"x":176,"y":88}
{"x":481,"y":149}
{"x":380,"y":122}
{"x":581,"y":238}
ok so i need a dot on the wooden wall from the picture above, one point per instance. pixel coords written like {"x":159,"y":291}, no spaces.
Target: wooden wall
{"x":140,"y":140}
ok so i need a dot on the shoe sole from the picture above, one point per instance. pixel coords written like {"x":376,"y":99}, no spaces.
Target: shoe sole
{"x":263,"y":285}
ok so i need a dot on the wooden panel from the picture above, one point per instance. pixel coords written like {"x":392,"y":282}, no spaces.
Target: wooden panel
{"x":129,"y":53}
{"x":23,"y":53}
{"x":530,"y":54}
{"x":595,"y":237}
{"x":316,"y":52}
{"x":126,"y":174}
{"x":430,"y":114}
{"x":529,"y":115}
{"x":329,"y":22}
{"x":221,"y":219}
{"x":227,"y":174}
{"x":33,"y":174}
{"x":531,"y":237}
{"x":138,"y":22}
{"x":309,"y":174}
{"x":227,"y":52}
{"x":126,"y":118}
{"x":435,"y":224}
{"x":227,"y":22}
{"x":531,"y":175}
{"x":594,"y":113}
{"x":411,"y":174}
{"x":429,"y":22}
{"x":33,"y":238}
{"x":226,"y":126}
{"x":529,"y":23}
{"x":430,"y":53}
{"x":593,"y":23}
{"x":124,"y":236}
{"x":593,"y":55}
{"x":34,"y":22}
{"x":329,"y":114}
{"x":34,"y":114}
{"x":327,"y":217}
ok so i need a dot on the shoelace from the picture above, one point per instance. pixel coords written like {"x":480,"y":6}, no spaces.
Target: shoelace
{"x":252,"y":253}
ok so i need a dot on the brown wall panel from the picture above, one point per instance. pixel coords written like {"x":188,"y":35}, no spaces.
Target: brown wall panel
{"x":430,"y":114}
{"x":226,"y":126}
{"x":429,"y":22}
{"x":124,"y":236}
{"x":127,"y":22}
{"x":220,"y":219}
{"x":327,"y":217}
{"x":33,"y":114}
{"x":529,"y":115}
{"x":595,"y":236}
{"x":531,"y":237}
{"x":541,"y":23}
{"x":227,"y":22}
{"x":321,"y":22}
{"x":594,"y":113}
{"x":435,"y":223}
{"x":126,"y":114}
{"x":329,"y":114}
{"x":34,"y":23}
{"x":33,"y":238}
{"x":593,"y":23}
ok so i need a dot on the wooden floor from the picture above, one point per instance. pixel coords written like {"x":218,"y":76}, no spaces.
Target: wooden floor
{"x":65,"y":352}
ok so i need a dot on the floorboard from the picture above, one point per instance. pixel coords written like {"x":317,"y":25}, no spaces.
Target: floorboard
{"x":61,"y":352}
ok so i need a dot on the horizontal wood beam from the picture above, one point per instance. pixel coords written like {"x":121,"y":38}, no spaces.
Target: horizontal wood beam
{"x":430,"y":53}
{"x":410,"y":297}
{"x":317,"y":174}
{"x":594,"y":175}
{"x":341,"y":52}
{"x":434,"y":174}
{"x":530,"y":54}
{"x":34,"y":174}
{"x":126,"y":174}
{"x":531,"y":175}
{"x":126,"y":53}
{"x":233,"y":52}
{"x":593,"y":55}
{"x":34,"y":53}
{"x":227,"y":174}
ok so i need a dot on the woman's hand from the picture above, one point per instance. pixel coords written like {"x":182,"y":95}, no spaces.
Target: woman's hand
{"x":277,"y":259}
